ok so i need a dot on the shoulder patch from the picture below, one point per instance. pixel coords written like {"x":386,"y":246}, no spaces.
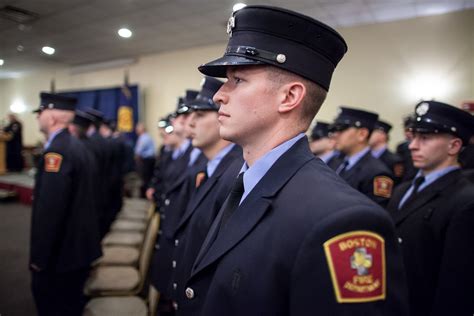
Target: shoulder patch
{"x":356,"y":262}
{"x":52,"y":162}
{"x":383,"y":186}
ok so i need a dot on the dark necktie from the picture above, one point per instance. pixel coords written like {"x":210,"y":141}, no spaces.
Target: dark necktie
{"x":233,"y":200}
{"x":342,"y":167}
{"x":416,"y":185}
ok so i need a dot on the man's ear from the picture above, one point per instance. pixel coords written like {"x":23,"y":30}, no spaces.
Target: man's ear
{"x":292,"y":96}
{"x":454,"y":146}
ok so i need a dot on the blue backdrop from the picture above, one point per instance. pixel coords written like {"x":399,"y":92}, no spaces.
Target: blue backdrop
{"x":108,"y":102}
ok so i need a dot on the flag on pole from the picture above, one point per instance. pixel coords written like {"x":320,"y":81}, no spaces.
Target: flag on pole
{"x":125,"y":110}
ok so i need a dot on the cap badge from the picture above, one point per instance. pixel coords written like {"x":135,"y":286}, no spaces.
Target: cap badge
{"x":281,"y":58}
{"x":422,"y":109}
{"x":230,"y":25}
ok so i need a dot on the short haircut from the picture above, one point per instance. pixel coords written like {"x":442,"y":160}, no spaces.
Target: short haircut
{"x":315,"y":94}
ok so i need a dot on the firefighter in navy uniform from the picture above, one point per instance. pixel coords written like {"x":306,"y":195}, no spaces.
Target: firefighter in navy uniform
{"x":292,"y":238}
{"x":175,"y":198}
{"x":64,"y":227}
{"x":434,"y":214}
{"x":379,"y":145}
{"x":322,"y":144}
{"x":360,"y":169}
{"x":210,"y":186}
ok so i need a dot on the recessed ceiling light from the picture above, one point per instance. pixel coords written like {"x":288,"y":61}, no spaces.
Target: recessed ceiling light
{"x":48,"y":50}
{"x":2,"y":62}
{"x":125,"y":33}
{"x":238,"y":6}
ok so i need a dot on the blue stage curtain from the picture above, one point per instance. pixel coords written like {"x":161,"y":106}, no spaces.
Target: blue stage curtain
{"x":108,"y":102}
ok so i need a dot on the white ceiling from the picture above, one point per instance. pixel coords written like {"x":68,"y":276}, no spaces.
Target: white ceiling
{"x":85,"y":31}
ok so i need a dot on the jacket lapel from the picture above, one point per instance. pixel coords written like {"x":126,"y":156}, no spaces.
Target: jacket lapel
{"x":253,"y":208}
{"x":347,"y":175}
{"x":426,"y":195}
{"x":234,"y":153}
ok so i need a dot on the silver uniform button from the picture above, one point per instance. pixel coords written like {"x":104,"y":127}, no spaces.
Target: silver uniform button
{"x":175,"y":286}
{"x":176,"y":242}
{"x":400,"y":240}
{"x":173,"y":264}
{"x":175,"y":306}
{"x":167,"y":202}
{"x":157,"y":247}
{"x":189,"y":293}
{"x":163,"y":216}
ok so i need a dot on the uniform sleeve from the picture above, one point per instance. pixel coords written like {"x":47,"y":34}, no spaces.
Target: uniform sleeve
{"x":52,"y":206}
{"x":350,"y":264}
{"x":379,"y":188}
{"x":455,"y":294}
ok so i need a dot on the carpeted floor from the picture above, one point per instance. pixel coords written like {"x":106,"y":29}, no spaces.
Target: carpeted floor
{"x":15,"y":294}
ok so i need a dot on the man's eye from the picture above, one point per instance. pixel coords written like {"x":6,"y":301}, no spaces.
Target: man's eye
{"x":237,"y":80}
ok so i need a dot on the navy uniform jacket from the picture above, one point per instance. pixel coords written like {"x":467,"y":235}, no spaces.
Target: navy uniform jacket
{"x":270,"y":258}
{"x":436,"y":232}
{"x":174,"y":204}
{"x":335,"y":161}
{"x":174,"y":169}
{"x":394,"y":163}
{"x":372,"y":178}
{"x":200,"y":213}
{"x":102,"y":153}
{"x":64,"y":227}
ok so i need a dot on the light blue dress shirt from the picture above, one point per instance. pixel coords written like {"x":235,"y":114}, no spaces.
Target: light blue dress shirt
{"x":145,"y":148}
{"x":429,"y":178}
{"x":193,"y":156}
{"x":214,"y":162}
{"x":258,"y":170}
{"x":328,"y":156}
{"x":356,"y":157}
{"x":376,"y":153}
{"x":51,"y":137}
{"x":178,"y":152}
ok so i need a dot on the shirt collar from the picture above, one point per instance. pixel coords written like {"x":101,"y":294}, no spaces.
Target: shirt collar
{"x":214,"y":162}
{"x":51,"y":137}
{"x":181,"y":149}
{"x":356,"y":157}
{"x":193,"y":156}
{"x":256,"y":172}
{"x":433,"y":176}
{"x":328,"y":156}
{"x":376,"y":153}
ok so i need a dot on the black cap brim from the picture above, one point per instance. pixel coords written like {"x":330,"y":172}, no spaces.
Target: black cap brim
{"x":218,"y":68}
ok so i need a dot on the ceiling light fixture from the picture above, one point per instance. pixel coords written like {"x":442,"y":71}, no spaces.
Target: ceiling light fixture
{"x":124,"y":32}
{"x":238,"y":6}
{"x":2,"y":62}
{"x":48,"y":50}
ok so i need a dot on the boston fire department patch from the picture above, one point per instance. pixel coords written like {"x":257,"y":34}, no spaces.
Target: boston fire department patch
{"x":52,"y":162}
{"x":383,"y":186}
{"x":357,"y":264}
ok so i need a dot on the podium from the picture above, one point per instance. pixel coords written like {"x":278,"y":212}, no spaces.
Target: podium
{"x":4,"y":137}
